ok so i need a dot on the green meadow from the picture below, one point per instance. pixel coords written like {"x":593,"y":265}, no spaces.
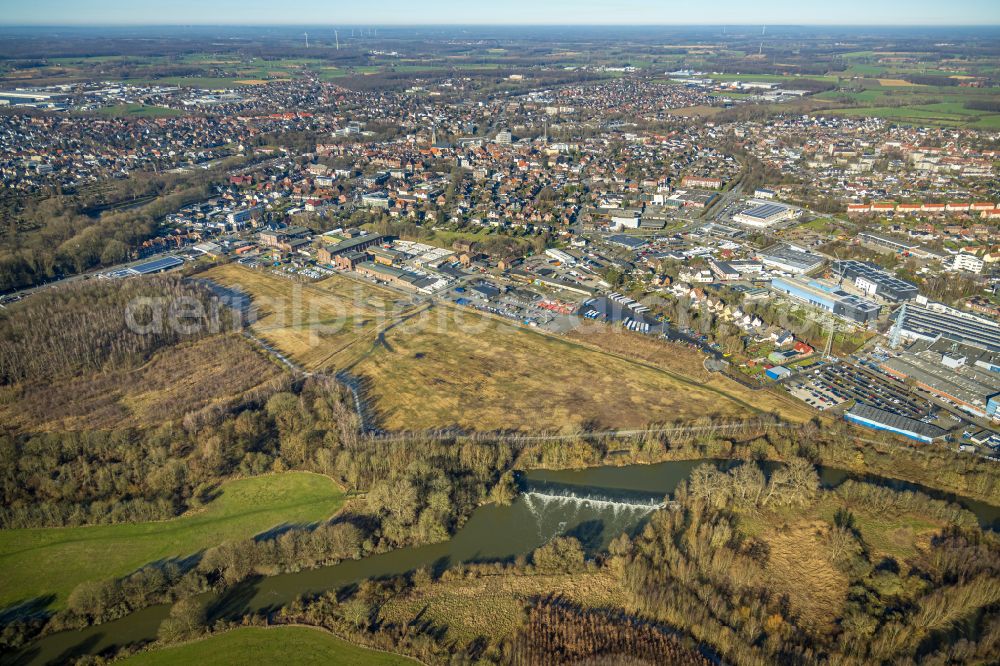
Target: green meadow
{"x":291,"y":646}
{"x":43,"y":561}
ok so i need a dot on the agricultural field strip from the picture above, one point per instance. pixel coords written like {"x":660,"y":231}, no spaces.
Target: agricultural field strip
{"x":97,"y":551}
{"x":288,"y":644}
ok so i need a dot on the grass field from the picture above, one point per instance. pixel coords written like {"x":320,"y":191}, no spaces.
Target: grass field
{"x":42,"y":561}
{"x":688,"y":364}
{"x":139,"y":111}
{"x":491,"y":606}
{"x":858,"y":69}
{"x":861,"y":97}
{"x":311,"y":322}
{"x":331,"y":73}
{"x":439,"y":366}
{"x":799,"y":562}
{"x":899,"y":101}
{"x":175,"y":381}
{"x":941,"y":113}
{"x":291,"y":646}
{"x":799,"y":567}
{"x":450,"y":367}
{"x":826,"y":225}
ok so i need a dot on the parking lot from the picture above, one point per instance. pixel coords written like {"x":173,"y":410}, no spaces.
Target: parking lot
{"x":518,"y":304}
{"x":288,"y":270}
{"x":835,"y":384}
{"x":816,"y":393}
{"x":618,"y":309}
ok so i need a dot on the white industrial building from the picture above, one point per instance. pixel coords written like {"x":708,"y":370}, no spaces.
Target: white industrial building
{"x":764,"y":214}
{"x":626,"y":219}
{"x":790,"y":259}
{"x":560,"y":256}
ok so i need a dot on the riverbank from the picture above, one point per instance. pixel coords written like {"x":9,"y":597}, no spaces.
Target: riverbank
{"x":492,"y":534}
{"x":50,"y":562}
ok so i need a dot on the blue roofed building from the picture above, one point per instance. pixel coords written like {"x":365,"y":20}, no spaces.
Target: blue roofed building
{"x":880,"y":419}
{"x":828,"y":297}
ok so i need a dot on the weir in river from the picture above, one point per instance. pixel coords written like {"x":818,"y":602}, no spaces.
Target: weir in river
{"x":538,"y":501}
{"x":555,"y":510}
{"x":593,"y":505}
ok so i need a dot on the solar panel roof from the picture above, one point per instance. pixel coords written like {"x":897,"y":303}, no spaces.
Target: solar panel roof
{"x":157,"y":265}
{"x":765,"y":211}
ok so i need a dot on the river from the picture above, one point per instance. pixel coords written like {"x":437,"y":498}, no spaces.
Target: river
{"x":594,"y":505}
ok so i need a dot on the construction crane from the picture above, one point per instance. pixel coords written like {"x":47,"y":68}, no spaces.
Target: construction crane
{"x":896,"y":338}
{"x":829,"y":339}
{"x":828,"y":320}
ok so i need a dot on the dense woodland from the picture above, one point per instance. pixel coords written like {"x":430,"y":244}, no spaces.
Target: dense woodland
{"x":417,"y":492}
{"x":103,"y":325}
{"x":694,"y":568}
{"x":558,"y":632}
{"x":50,"y":235}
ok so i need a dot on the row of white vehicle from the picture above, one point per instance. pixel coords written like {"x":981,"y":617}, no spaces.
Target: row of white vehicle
{"x":637,"y":326}
{"x":630,"y":303}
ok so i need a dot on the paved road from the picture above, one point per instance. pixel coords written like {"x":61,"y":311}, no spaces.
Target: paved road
{"x":84,"y":276}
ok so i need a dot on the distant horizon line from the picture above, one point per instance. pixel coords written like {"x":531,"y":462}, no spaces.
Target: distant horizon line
{"x":935,"y":24}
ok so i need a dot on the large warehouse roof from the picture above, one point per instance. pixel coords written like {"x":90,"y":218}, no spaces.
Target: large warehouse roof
{"x":783,"y":255}
{"x":903,"y":425}
{"x":888,"y":284}
{"x":766,"y":211}
{"x":917,"y":321}
{"x":157,"y":265}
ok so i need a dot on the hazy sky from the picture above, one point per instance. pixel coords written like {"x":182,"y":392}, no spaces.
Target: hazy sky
{"x":394,"y":12}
